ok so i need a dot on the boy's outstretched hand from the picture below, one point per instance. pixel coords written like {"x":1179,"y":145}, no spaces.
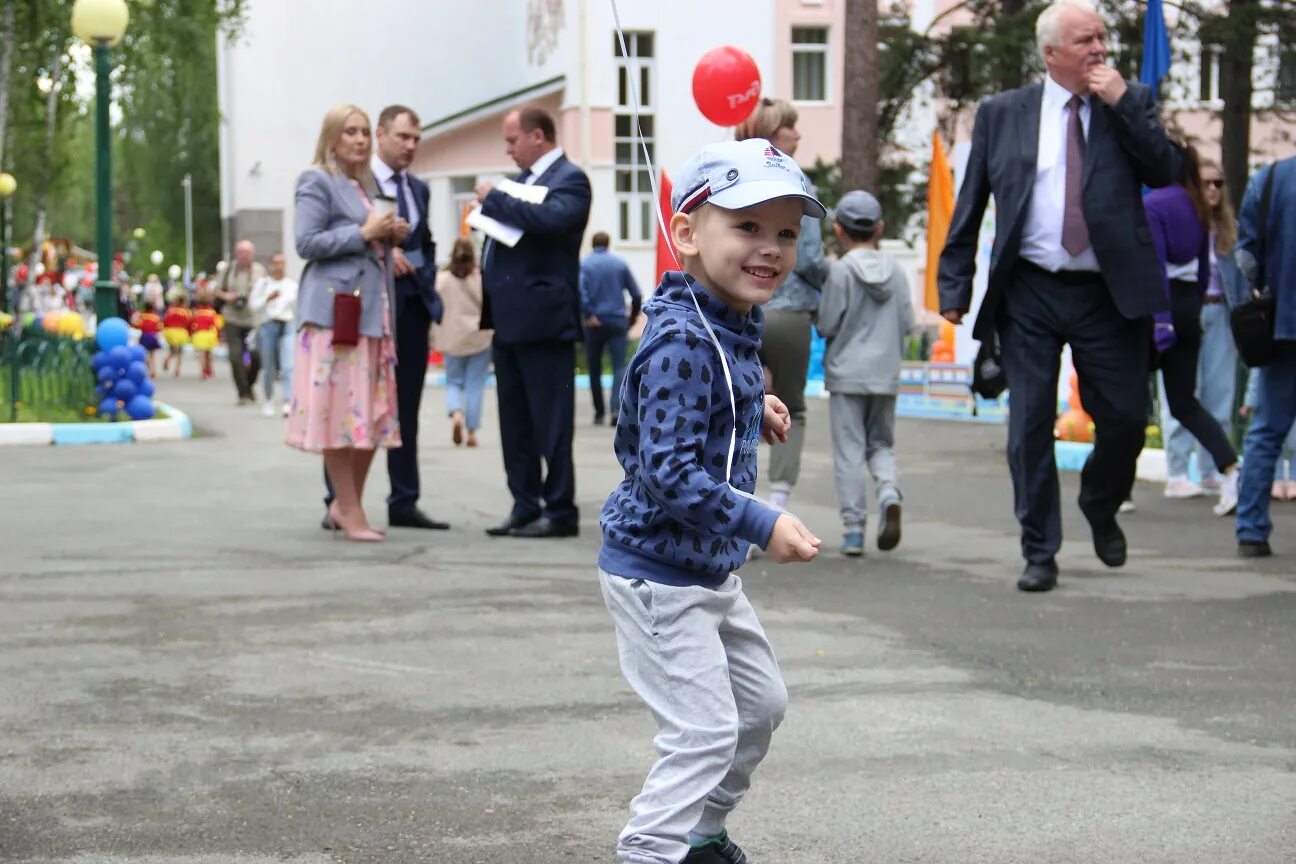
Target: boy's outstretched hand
{"x":777,"y":421}
{"x":791,"y":541}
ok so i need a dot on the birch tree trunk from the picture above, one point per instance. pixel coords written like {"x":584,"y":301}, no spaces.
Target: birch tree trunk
{"x":861,"y":149}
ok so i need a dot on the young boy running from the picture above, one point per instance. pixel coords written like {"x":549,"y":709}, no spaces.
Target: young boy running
{"x":682,"y":520}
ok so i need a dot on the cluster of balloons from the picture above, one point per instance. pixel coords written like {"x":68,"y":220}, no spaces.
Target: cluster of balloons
{"x":124,"y":383}
{"x":726,"y":85}
{"x":69,"y":324}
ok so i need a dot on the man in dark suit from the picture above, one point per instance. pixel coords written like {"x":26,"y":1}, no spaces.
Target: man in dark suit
{"x":417,"y":306}
{"x":532,"y":301}
{"x":1073,"y":262}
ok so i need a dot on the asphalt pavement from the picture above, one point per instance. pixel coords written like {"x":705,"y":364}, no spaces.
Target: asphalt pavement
{"x":194,"y":672}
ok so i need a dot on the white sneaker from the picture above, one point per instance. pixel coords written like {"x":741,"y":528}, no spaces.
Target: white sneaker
{"x":267,"y":408}
{"x":286,"y":409}
{"x":1228,"y":499}
{"x":1211,"y":482}
{"x":1127,"y":506}
{"x":1179,"y":486}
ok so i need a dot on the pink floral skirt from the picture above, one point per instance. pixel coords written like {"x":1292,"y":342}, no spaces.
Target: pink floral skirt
{"x":343,"y":396}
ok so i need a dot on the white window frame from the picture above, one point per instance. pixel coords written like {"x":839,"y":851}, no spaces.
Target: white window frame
{"x":1210,"y":86}
{"x":636,"y":222}
{"x":820,"y":48}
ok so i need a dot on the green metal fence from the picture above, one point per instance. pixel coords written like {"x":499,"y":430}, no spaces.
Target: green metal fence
{"x":44,"y":377}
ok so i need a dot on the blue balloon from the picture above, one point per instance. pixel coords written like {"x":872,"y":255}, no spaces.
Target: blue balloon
{"x":108,"y":407}
{"x":99,"y":361}
{"x":147,"y":388}
{"x":107,"y":375}
{"x":120,"y":358}
{"x":140,"y":408}
{"x":125,"y":389}
{"x":138,"y":354}
{"x":36,"y":323}
{"x":137,"y":371}
{"x":112,"y":332}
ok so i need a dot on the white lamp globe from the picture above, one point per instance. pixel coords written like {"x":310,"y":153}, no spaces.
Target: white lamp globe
{"x":100,"y":22}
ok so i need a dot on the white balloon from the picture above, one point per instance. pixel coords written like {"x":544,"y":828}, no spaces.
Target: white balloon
{"x":174,"y":272}
{"x":156,"y":257}
{"x":220,"y":266}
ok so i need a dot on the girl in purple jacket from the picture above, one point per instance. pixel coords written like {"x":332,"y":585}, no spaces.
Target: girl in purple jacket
{"x":1180,"y":219}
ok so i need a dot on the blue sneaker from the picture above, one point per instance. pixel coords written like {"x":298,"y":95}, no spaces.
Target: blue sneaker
{"x":853,"y":544}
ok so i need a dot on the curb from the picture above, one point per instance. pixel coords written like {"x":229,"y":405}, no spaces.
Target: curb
{"x":171,"y":428}
{"x":1071,"y":456}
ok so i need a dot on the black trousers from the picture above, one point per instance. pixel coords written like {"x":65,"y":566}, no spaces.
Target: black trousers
{"x":1179,"y":370}
{"x":1041,"y":313}
{"x":537,"y":403}
{"x":411,"y":367}
{"x":244,"y":374}
{"x":412,"y":325}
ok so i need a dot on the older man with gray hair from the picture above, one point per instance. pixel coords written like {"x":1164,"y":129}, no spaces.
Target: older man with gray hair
{"x":1073,"y":263}
{"x":234,"y":291}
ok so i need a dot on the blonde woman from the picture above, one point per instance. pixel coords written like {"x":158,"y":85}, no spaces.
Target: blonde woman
{"x":785,"y":348}
{"x":344,"y":396}
{"x":1217,"y":361}
{"x":467,"y":348}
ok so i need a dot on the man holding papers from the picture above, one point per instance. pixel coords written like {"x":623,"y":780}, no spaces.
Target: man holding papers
{"x":530,"y":282}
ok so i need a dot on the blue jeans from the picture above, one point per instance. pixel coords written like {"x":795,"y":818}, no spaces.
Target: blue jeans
{"x":613,"y":336}
{"x":275,"y":344}
{"x":1275,"y":411}
{"x":465,"y":381}
{"x":1216,"y":383}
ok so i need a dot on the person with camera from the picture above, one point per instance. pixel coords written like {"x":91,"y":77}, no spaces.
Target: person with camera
{"x":233,"y":289}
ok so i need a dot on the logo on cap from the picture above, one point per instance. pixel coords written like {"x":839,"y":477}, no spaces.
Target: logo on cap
{"x":732,"y":175}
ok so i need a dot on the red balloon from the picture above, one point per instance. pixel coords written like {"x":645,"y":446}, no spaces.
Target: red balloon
{"x":726,"y":85}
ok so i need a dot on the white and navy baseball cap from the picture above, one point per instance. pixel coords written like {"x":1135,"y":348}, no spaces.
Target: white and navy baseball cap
{"x":735,"y":175}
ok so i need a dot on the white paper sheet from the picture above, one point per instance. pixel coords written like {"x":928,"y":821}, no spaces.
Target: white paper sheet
{"x":521,"y":191}
{"x":498,"y":231}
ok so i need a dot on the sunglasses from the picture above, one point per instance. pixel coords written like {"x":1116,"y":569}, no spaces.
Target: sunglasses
{"x":1218,"y":184}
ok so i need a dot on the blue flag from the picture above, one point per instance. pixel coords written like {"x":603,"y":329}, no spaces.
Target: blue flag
{"x":1156,"y":47}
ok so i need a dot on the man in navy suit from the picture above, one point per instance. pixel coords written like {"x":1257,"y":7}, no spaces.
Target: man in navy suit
{"x":532,"y":302}
{"x":1073,"y":262}
{"x":417,"y":306}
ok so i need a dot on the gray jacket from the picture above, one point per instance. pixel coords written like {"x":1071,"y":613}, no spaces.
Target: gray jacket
{"x":865,"y":313}
{"x":329,"y":215}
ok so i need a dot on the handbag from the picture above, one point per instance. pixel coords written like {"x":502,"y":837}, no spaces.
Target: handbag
{"x":1252,"y":322}
{"x":989,"y":380}
{"x":346,"y":318}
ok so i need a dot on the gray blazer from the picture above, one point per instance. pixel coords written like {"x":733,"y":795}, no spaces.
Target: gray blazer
{"x":329,"y":215}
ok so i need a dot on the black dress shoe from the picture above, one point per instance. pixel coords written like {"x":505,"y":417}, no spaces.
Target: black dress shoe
{"x":1038,"y":577}
{"x":1254,"y":549}
{"x":546,"y":528}
{"x":416,"y":518}
{"x":508,"y":526}
{"x":1109,"y":543}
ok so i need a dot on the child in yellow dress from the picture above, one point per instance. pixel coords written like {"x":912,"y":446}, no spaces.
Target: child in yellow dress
{"x":205,"y":330}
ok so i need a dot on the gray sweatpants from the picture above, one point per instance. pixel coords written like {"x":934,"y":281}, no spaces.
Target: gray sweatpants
{"x":863,"y":435}
{"x":700,"y":660}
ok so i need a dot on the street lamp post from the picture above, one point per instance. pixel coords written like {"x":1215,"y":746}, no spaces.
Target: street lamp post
{"x":188,"y":207}
{"x":7,"y":187}
{"x":101,"y":25}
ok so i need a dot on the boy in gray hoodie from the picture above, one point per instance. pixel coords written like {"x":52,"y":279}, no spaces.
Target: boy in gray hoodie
{"x":865,"y":312}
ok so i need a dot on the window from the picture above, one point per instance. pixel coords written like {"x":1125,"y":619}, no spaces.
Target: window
{"x":1208,"y":81}
{"x":1285,"y":88}
{"x":634,"y":196}
{"x":810,"y":64}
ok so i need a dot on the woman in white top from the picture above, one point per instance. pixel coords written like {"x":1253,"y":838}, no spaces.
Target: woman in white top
{"x":461,"y":340}
{"x":274,"y":299}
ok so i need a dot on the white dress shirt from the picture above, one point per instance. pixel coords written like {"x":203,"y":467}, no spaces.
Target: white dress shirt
{"x":1041,"y":242}
{"x":386,"y":178}
{"x":542,"y":164}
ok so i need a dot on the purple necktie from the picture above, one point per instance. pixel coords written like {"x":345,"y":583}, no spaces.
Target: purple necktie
{"x":1075,"y":233}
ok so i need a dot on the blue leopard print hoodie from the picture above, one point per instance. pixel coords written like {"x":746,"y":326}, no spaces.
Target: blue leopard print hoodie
{"x":673,"y":519}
